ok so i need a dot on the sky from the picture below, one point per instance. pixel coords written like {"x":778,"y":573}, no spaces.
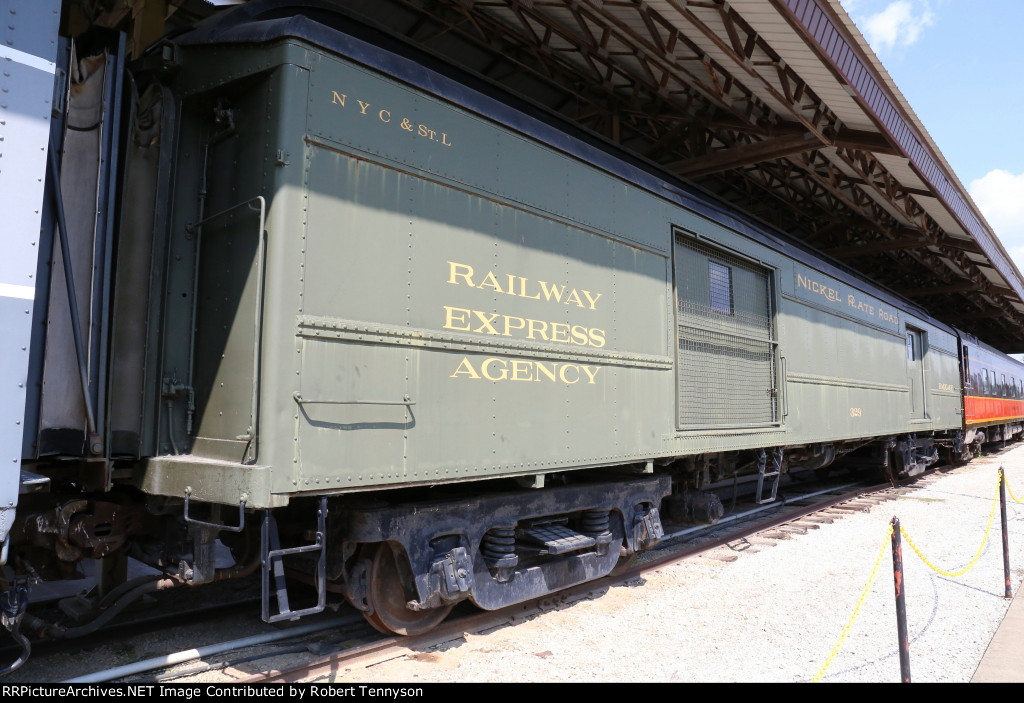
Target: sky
{"x":960,"y":65}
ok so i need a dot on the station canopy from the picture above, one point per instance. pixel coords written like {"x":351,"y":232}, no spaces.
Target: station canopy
{"x":776,"y":106}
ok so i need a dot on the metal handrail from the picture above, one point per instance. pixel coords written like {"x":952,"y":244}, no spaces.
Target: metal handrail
{"x":225,"y":528}
{"x":297,"y":397}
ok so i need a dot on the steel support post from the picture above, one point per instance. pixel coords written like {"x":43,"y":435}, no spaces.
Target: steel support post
{"x":901,"y":603}
{"x":1006,"y":538}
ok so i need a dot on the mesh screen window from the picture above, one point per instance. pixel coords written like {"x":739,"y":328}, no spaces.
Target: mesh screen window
{"x":726,"y":342}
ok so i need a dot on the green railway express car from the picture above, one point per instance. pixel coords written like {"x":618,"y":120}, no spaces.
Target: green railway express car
{"x":441,"y":348}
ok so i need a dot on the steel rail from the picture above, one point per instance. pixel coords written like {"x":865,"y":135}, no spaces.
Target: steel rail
{"x":390,"y":647}
{"x":382,"y":648}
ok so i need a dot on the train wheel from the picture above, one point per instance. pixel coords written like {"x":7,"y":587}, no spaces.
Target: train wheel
{"x":623,"y":564}
{"x":388,"y":591}
{"x":954,"y":458}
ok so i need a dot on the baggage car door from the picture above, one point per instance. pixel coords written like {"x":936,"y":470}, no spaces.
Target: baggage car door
{"x":915,"y":372}
{"x":727,"y":346}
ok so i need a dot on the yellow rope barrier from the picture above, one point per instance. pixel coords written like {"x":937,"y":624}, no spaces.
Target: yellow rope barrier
{"x":878,"y":561}
{"x":977,"y":555}
{"x":856,"y":610}
{"x":1010,"y":491}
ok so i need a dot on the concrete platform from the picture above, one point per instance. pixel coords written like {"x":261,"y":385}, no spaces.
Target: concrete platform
{"x":1003,"y":661}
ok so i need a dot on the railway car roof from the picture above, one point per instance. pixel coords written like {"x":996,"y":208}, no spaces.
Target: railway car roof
{"x":778,"y":107}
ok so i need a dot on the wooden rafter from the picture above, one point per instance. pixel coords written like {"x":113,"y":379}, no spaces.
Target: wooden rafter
{"x":743,"y":155}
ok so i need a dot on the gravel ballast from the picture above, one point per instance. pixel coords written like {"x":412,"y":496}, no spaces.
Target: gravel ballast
{"x":758,"y":610}
{"x":775,"y":612}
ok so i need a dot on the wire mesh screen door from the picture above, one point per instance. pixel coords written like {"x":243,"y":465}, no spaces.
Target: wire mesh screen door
{"x":727,"y":348}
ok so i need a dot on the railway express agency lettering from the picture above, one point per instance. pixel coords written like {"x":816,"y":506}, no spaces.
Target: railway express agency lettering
{"x":849,"y":301}
{"x":466,"y":320}
{"x":522,"y":287}
{"x":497,"y":368}
{"x":537,"y":329}
{"x":483,"y":322}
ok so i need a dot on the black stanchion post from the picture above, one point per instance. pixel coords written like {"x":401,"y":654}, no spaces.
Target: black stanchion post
{"x":901,"y":604}
{"x":1006,"y":537}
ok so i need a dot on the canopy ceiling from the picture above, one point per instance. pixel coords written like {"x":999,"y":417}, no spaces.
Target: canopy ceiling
{"x":777,"y":106}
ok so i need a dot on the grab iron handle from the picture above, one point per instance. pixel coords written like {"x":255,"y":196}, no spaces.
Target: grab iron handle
{"x":225,"y":528}
{"x":297,"y":397}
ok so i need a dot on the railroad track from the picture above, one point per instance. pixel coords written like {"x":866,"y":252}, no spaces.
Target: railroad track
{"x":348,"y":642}
{"x":746,"y":532}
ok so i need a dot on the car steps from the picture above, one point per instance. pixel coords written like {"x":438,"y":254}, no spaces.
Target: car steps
{"x":763,"y":473}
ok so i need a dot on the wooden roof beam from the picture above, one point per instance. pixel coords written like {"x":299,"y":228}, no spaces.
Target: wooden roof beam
{"x":959,"y":244}
{"x":744,"y":155}
{"x":865,"y":141}
{"x":854,"y":251}
{"x":861,"y":140}
{"x":942,"y":290}
{"x":972,"y":316}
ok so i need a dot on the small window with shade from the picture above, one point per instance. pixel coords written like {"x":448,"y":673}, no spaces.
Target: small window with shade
{"x":720,"y":288}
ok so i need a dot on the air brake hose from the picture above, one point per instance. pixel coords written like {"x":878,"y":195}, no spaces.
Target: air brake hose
{"x":12,"y":609}
{"x":53,"y":631}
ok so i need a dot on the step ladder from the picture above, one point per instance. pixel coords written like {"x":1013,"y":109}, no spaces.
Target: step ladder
{"x":763,"y":473}
{"x":272,"y":562}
